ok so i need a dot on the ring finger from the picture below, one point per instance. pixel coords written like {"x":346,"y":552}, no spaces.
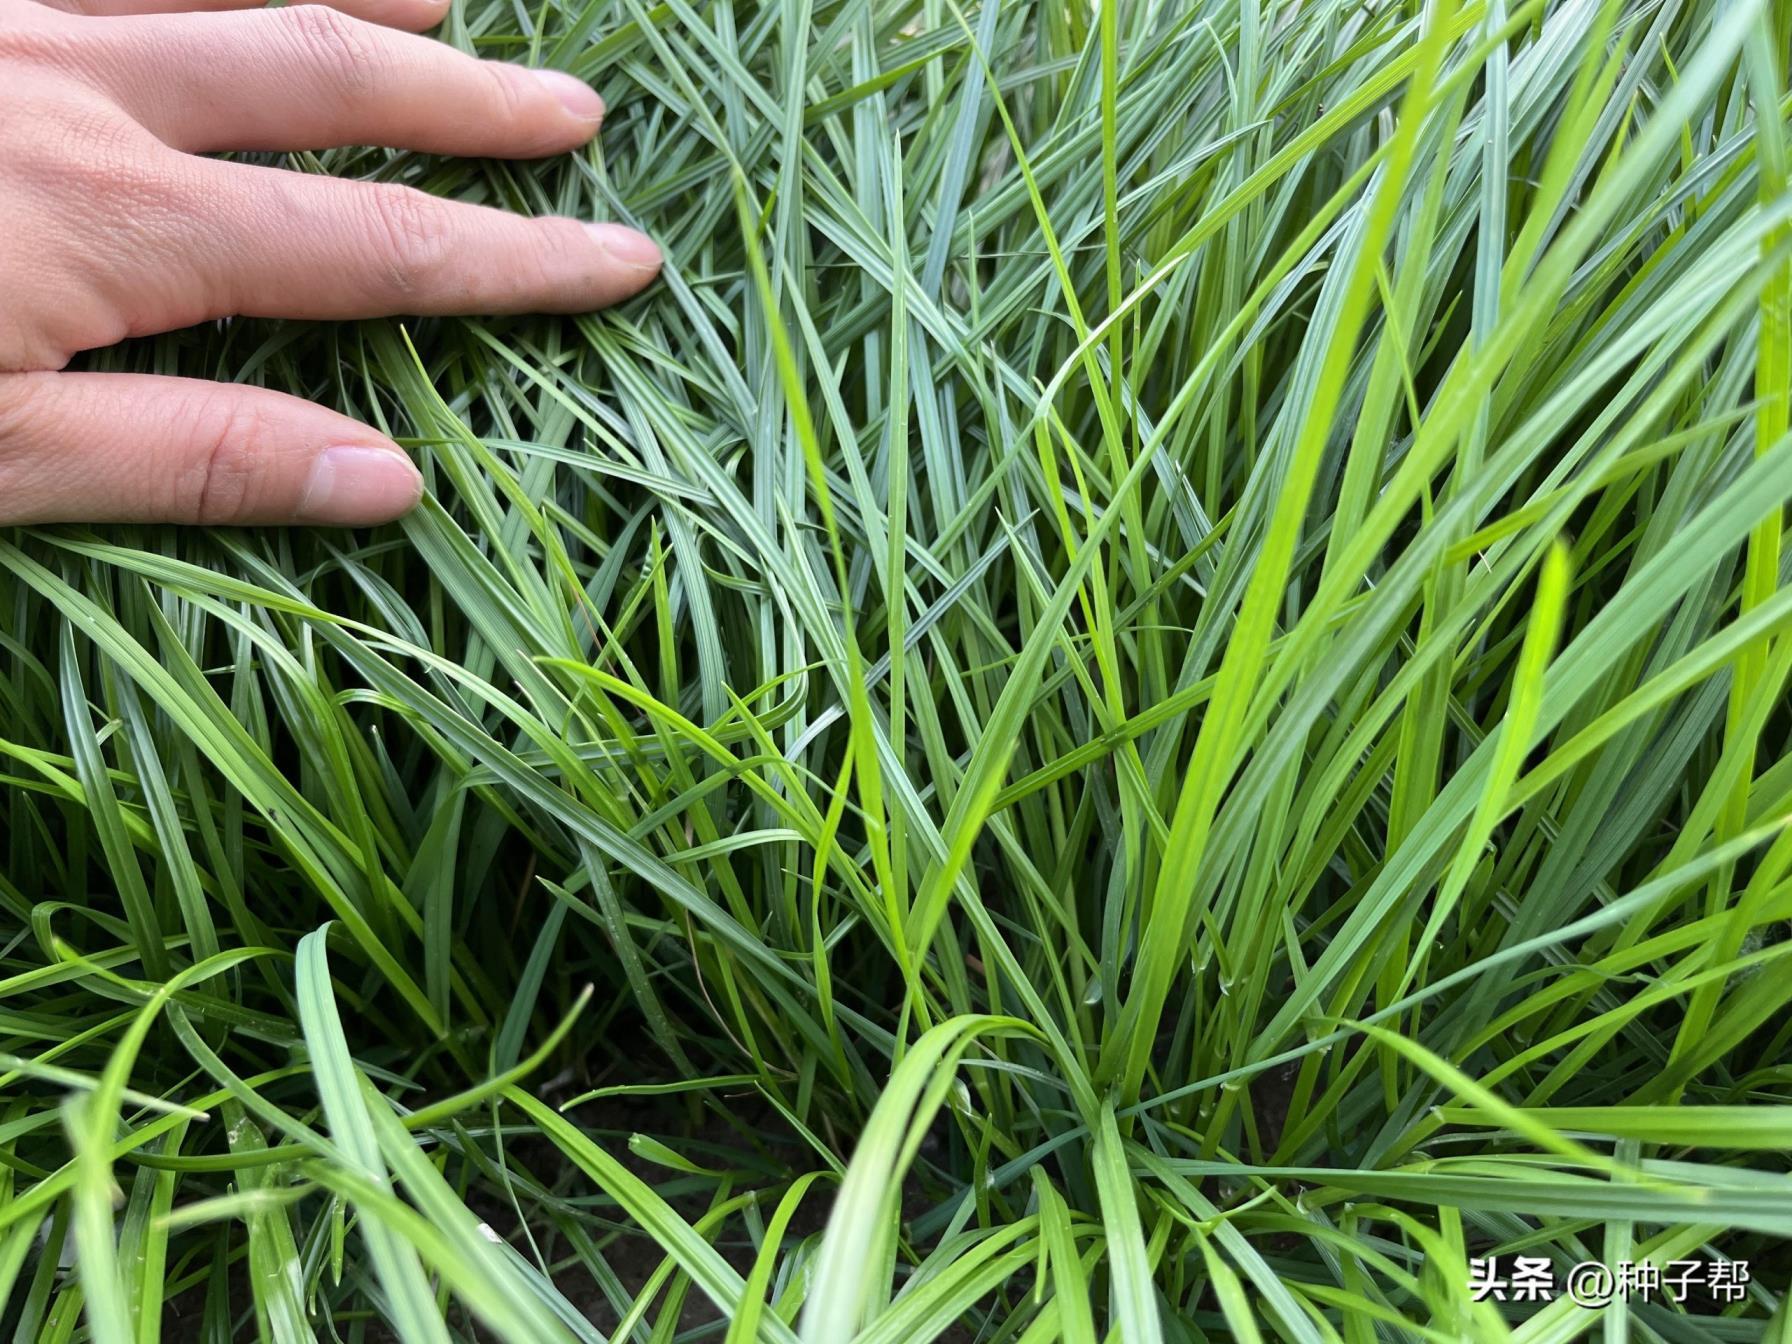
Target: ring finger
{"x":414,"y":15}
{"x":309,"y":77}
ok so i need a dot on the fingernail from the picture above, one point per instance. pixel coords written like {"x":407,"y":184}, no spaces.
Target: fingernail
{"x":354,"y":485}
{"x":627,"y":246}
{"x":575,"y":95}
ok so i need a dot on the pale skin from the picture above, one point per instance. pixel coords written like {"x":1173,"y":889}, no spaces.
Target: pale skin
{"x":114,"y":225}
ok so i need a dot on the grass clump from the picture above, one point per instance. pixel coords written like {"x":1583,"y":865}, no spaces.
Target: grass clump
{"x":1142,"y":702}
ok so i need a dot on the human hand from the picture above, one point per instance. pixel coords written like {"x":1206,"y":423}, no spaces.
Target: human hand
{"x":115,"y":227}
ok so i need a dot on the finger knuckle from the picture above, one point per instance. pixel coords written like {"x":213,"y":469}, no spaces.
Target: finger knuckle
{"x":95,"y":165}
{"x":219,"y":484}
{"x":509,"y":97}
{"x":342,"y":48}
{"x":94,"y":142}
{"x":411,"y":231}
{"x":107,"y":211}
{"x":561,"y":248}
{"x":38,"y":37}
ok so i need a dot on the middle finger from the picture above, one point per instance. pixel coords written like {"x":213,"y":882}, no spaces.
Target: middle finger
{"x":272,"y":243}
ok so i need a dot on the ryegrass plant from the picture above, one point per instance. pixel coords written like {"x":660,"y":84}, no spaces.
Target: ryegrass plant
{"x":1141,"y":703}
